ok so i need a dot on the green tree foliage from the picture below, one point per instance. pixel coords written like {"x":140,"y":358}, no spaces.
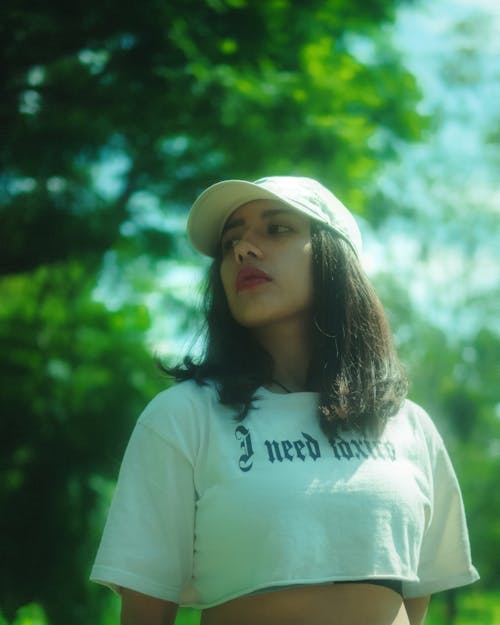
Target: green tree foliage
{"x":102,"y":103}
{"x":182,"y":91}
{"x":74,"y":378}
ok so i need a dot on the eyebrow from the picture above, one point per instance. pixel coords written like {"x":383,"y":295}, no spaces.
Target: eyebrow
{"x":266,"y":214}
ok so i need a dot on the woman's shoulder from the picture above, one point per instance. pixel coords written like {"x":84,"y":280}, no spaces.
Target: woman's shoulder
{"x":188,"y":392}
{"x":416,"y":421}
{"x":181,"y":405}
{"x":418,"y":416}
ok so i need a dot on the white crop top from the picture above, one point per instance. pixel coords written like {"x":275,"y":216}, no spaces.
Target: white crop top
{"x":207,"y":509}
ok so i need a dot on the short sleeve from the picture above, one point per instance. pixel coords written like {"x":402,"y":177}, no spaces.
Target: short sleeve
{"x":147,"y":543}
{"x":445,"y":557}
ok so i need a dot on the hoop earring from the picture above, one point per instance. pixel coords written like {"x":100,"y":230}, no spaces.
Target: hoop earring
{"x":323,"y":332}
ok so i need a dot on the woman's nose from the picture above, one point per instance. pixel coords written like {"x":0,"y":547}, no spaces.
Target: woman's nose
{"x":244,"y":249}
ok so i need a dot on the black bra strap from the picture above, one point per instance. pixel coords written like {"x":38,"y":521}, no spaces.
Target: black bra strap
{"x":393,"y":584}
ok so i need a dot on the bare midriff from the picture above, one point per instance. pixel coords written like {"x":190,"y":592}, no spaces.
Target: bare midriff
{"x":325,"y":604}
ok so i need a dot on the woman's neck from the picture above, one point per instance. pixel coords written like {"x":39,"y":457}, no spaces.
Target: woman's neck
{"x":289,"y":347}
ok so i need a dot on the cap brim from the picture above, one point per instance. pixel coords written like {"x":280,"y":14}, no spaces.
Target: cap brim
{"x":212,"y":208}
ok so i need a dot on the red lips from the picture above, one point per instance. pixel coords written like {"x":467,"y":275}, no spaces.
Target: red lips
{"x":250,"y":277}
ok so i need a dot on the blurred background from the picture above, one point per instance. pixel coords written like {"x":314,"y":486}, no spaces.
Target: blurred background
{"x":113,"y":117}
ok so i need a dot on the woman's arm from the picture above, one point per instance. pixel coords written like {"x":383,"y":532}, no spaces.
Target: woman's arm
{"x":417,"y":609}
{"x":139,"y":609}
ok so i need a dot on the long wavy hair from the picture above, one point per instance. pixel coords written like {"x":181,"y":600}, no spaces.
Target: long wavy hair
{"x":354,"y":365}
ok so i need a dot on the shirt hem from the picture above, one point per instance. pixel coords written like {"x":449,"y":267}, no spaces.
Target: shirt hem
{"x":420,"y":589}
{"x":271,"y":586}
{"x":117,"y":578}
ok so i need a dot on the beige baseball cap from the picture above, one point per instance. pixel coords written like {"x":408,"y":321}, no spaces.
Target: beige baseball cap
{"x":212,"y":208}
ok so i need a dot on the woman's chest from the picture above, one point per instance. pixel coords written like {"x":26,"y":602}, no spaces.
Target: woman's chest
{"x":284,"y":479}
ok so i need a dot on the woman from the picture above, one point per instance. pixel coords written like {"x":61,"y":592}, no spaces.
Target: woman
{"x":285,"y":479}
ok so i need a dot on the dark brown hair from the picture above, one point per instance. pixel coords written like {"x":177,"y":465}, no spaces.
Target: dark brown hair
{"x":354,"y":366}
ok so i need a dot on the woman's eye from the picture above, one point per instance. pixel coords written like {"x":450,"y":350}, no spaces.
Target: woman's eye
{"x":228,"y":244}
{"x":277,"y":229}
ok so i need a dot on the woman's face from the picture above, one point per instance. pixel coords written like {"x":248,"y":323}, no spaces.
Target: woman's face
{"x":266,"y":265}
